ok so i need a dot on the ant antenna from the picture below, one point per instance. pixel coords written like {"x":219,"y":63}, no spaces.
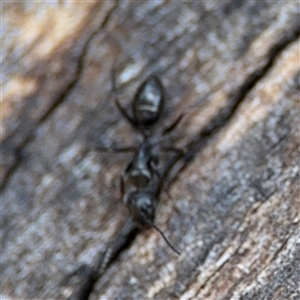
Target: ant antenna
{"x":164,"y":237}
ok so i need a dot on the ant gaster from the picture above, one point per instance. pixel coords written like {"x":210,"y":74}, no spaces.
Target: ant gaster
{"x":147,"y":104}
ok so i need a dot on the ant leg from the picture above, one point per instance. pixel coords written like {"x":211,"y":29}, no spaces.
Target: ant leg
{"x":173,"y":125}
{"x":125,"y":114}
{"x":122,"y":186}
{"x":121,"y":109}
{"x":161,"y":185}
{"x":128,"y":167}
{"x":153,"y":166}
{"x":177,"y":151}
{"x":172,"y":163}
{"x":123,"y":149}
{"x":112,"y":149}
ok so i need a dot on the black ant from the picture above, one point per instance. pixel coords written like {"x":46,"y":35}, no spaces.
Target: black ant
{"x":144,"y":163}
{"x":142,"y":201}
{"x":146,"y":108}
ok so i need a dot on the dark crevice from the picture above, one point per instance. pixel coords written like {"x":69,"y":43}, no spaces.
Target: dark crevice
{"x":88,"y":275}
{"x":60,"y":98}
{"x":79,"y":70}
{"x":226,"y":113}
{"x":17,"y":159}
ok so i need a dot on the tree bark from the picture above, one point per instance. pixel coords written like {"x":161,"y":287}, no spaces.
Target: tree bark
{"x":231,"y":68}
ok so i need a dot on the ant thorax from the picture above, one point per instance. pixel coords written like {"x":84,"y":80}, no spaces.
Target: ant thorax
{"x":140,"y":171}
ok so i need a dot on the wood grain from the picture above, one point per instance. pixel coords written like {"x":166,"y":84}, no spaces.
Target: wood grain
{"x":232,"y":68}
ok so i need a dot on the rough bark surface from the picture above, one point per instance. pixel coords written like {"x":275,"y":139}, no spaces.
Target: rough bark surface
{"x":232,"y":68}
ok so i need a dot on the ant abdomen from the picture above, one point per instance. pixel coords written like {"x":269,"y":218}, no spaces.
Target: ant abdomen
{"x":148,"y":102}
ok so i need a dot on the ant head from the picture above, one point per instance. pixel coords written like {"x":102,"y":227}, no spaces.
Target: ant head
{"x":142,"y":206}
{"x":148,"y":102}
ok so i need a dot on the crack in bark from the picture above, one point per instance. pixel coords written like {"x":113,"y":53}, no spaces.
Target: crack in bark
{"x":255,"y":273}
{"x":59,"y":99}
{"x":226,"y":113}
{"x":217,"y":270}
{"x":89,"y":275}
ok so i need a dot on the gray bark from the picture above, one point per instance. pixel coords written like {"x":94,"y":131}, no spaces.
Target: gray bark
{"x":232,"y":69}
